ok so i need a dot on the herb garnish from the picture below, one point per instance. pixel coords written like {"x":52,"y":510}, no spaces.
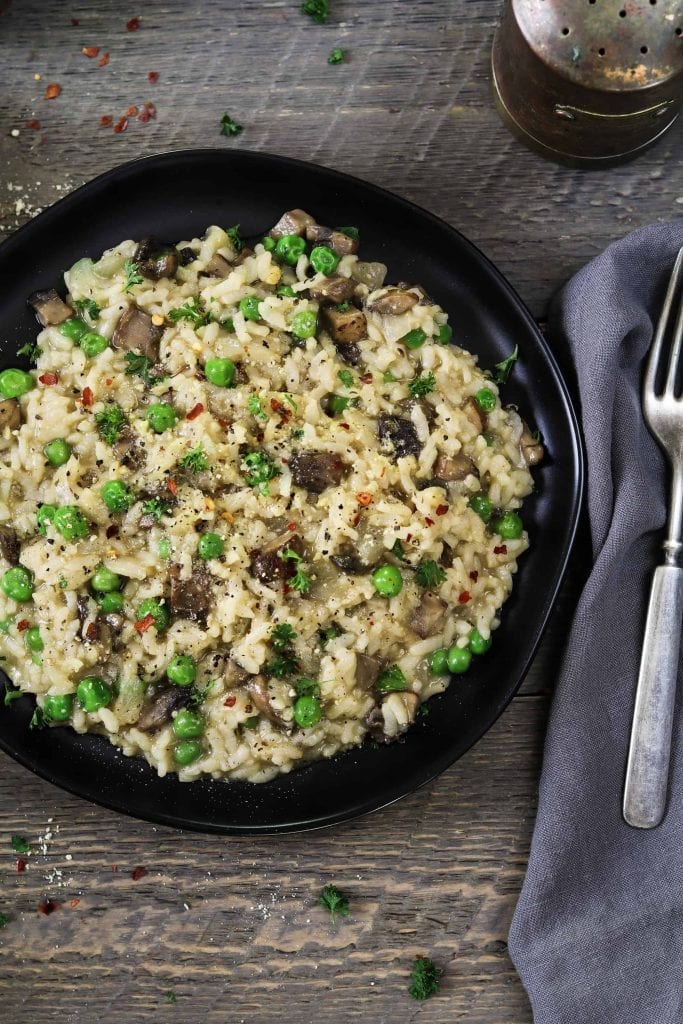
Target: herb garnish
{"x":397,"y":550}
{"x":110,"y":422}
{"x":156,"y":508}
{"x":429,"y":574}
{"x":297,"y":433}
{"x":195,"y":461}
{"x":300,"y":581}
{"x":327,"y":633}
{"x":343,"y":307}
{"x":351,"y":231}
{"x":20,"y":844}
{"x":11,"y":695}
{"x":307,"y":687}
{"x":335,"y":901}
{"x":421,"y":386}
{"x":392,"y":679}
{"x":503,"y":369}
{"x":89,"y":307}
{"x":193,"y":311}
{"x":133,"y":275}
{"x":170,"y":997}
{"x":4,"y":919}
{"x":257,"y":468}
{"x":199,"y":694}
{"x":346,"y":377}
{"x":388,"y":377}
{"x":425,"y":978}
{"x":31,"y":350}
{"x":138,"y":366}
{"x":282,"y":637}
{"x":282,"y":640}
{"x":336,"y":56}
{"x":233,"y":234}
{"x":255,"y":407}
{"x":229,"y":127}
{"x":39,"y":719}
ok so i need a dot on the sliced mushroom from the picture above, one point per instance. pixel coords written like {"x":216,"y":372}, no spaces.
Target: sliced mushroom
{"x":446,"y":556}
{"x":400,"y":434}
{"x":293,"y":222}
{"x":10,"y":547}
{"x":268,"y":566}
{"x":348,"y":351}
{"x":474,"y":414}
{"x":190,"y":598}
{"x":361,"y":557}
{"x":217,"y":266}
{"x":372,"y":275}
{"x":393,"y":302}
{"x":158,"y":711}
{"x":367,"y":671}
{"x":456,"y":467}
{"x":234,"y":675}
{"x":332,"y":289}
{"x":259,"y":695}
{"x":531,"y":448}
{"x":49,"y":307}
{"x":342,"y":244}
{"x":428,"y":618}
{"x":186,"y":255}
{"x":156,"y":259}
{"x":315,"y":470}
{"x":129,"y":450}
{"x":345,"y":326}
{"x":135,"y":331}
{"x":10,"y":414}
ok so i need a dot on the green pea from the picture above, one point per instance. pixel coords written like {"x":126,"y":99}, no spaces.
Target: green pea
{"x":33,"y":640}
{"x":413,"y":339}
{"x":268,"y":243}
{"x":509,"y":526}
{"x":93,"y":693}
{"x":14,"y":383}
{"x":304,"y":324}
{"x":164,"y":548}
{"x":477,"y":643}
{"x":182,"y":670}
{"x":289,"y":248}
{"x":17,"y":583}
{"x":117,"y":496}
{"x":285,"y":291}
{"x":485,"y":399}
{"x":57,"y":452}
{"x":45,"y":515}
{"x":6,"y":625}
{"x":220,"y":372}
{"x":105,"y":580}
{"x":73,"y":329}
{"x":188,"y":724}
{"x":91,"y":344}
{"x":324,"y":260}
{"x":438,"y":662}
{"x":210,"y":546}
{"x":70,"y":522}
{"x":459,"y":659}
{"x":387,"y":581}
{"x":157,"y":610}
{"x":249,"y":307}
{"x":111,"y":603}
{"x":187,"y":751}
{"x":444,"y":334}
{"x":58,"y":706}
{"x":334,"y":405}
{"x":307,"y":712}
{"x":480,"y":504}
{"x":161,"y":416}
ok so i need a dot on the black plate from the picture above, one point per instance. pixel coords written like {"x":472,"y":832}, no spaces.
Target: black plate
{"x":177,"y":196}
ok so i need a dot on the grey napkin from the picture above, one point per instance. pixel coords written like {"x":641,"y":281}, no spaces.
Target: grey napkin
{"x":597,"y":936}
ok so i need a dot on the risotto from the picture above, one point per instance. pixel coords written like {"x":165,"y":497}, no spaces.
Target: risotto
{"x":255,"y":504}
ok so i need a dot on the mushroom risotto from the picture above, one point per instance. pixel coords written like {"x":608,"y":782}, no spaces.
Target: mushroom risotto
{"x":254,"y":504}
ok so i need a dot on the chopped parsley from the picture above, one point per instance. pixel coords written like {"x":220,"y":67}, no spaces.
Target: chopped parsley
{"x":257,"y":468}
{"x":20,"y":844}
{"x":343,"y":307}
{"x":133,"y":275}
{"x":336,"y":56}
{"x":89,"y":307}
{"x":4,"y":919}
{"x":332,"y":899}
{"x":63,"y":582}
{"x":6,"y":624}
{"x":156,"y":508}
{"x":398,"y":551}
{"x":351,"y":231}
{"x":164,"y":548}
{"x":229,"y":127}
{"x":195,"y":461}
{"x":31,"y":350}
{"x":300,"y":581}
{"x":39,"y":719}
{"x":307,"y":687}
{"x":281,"y":666}
{"x":503,"y":369}
{"x":297,"y":433}
{"x":170,"y":997}
{"x":421,"y":386}
{"x":392,"y":679}
{"x":11,"y":695}
{"x":233,"y":234}
{"x":227,"y":324}
{"x":199,"y":694}
{"x":251,"y":722}
{"x":192,"y":311}
{"x":110,"y":422}
{"x":346,"y":377}
{"x":388,"y":377}
{"x":425,"y":978}
{"x":138,"y":366}
{"x":282,"y":640}
{"x":327,"y":633}
{"x":255,"y":407}
{"x":282,"y":636}
{"x":429,"y":574}
{"x":289,"y":400}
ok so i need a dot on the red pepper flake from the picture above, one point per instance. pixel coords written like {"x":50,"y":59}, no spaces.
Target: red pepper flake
{"x":286,"y":589}
{"x":53,"y":90}
{"x":33,"y":124}
{"x":87,"y":396}
{"x":441,"y":510}
{"x":409,"y":537}
{"x":48,"y":907}
{"x":355,"y":520}
{"x":224,"y":424}
{"x":114,"y":868}
{"x":24,"y":624}
{"x":90,"y":51}
{"x":152,"y":77}
{"x":48,"y":379}
{"x":501,"y":549}
{"x":195,"y":411}
{"x":464,"y":597}
{"x":366,"y":378}
{"x":132,"y":111}
{"x":91,"y":632}
{"x":104,"y":60}
{"x":142,"y":625}
{"x":108,"y":381}
{"x":74,"y":903}
{"x":291,"y":527}
{"x":121,"y":125}
{"x":474,"y":575}
{"x":106,"y":120}
{"x":151,"y":109}
{"x":143,"y":116}
{"x":428,"y":521}
{"x":133,"y":25}
{"x":364,"y":499}
{"x":138,"y":872}
{"x":229,"y":702}
{"x":21,"y":864}
{"x":112,"y":531}
{"x":172,"y":486}
{"x":344,"y":426}
{"x":75,"y":21}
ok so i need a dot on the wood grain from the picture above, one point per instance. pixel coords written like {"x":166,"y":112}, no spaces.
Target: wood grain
{"x":231,"y":926}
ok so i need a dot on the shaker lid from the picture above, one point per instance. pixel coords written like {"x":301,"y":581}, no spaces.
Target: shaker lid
{"x":610,"y":45}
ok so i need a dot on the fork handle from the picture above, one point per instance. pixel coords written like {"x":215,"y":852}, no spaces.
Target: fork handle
{"x":647,"y":770}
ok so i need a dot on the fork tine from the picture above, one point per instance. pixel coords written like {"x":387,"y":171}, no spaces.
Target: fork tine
{"x":675,"y":351}
{"x":658,"y":340}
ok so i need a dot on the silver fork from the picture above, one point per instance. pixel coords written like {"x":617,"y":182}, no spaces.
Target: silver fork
{"x":647,"y":770}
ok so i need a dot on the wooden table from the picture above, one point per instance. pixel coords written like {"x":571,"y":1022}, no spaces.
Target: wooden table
{"x":230,"y":926}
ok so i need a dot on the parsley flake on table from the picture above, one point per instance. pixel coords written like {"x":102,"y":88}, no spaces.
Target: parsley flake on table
{"x":138,"y":366}
{"x":110,"y":422}
{"x":89,"y":307}
{"x":318,"y":10}
{"x":195,"y":461}
{"x":133,"y":275}
{"x":332,"y":899}
{"x":192,"y":311}
{"x":229,"y":127}
{"x":20,"y":844}
{"x":503,"y":369}
{"x":425,"y":978}
{"x":336,"y":56}
{"x":4,"y":919}
{"x":421,"y":386}
{"x":429,"y":574}
{"x":170,"y":997}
